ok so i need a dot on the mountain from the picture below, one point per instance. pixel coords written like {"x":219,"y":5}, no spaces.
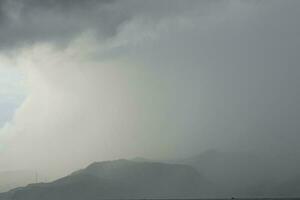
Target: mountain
{"x":119,"y":179}
{"x":13,"y":179}
{"x":233,"y":172}
{"x":245,"y":174}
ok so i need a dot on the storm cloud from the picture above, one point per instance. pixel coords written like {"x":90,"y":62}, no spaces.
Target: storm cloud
{"x":26,"y":22}
{"x":160,"y":79}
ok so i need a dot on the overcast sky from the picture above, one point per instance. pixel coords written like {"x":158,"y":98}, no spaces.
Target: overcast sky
{"x":82,"y":81}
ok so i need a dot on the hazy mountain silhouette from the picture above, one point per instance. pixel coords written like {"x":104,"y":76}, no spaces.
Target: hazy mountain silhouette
{"x":233,"y":172}
{"x":244,"y":174}
{"x":119,"y":179}
{"x":13,"y":179}
{"x":219,"y":175}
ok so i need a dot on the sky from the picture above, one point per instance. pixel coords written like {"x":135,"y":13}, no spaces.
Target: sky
{"x":12,"y":93}
{"x":84,"y":81}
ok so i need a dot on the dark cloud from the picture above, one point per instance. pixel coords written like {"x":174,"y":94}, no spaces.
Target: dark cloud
{"x":25,"y":22}
{"x":226,"y":79}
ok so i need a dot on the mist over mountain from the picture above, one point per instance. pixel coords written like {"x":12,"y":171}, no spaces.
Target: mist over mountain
{"x":211,"y":174}
{"x":17,"y":178}
{"x":120,"y":179}
{"x":96,"y":80}
{"x":246,"y":174}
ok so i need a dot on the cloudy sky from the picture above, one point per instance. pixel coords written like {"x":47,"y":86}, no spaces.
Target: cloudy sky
{"x":93,"y":80}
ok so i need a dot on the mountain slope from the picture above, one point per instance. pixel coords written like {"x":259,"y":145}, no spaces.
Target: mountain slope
{"x":119,"y":179}
{"x":13,"y":179}
{"x":245,"y":174}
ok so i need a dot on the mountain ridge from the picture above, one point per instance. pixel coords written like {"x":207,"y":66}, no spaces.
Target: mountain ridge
{"x":119,"y":179}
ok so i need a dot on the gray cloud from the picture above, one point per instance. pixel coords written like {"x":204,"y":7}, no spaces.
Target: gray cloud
{"x":176,"y":79}
{"x":26,"y":22}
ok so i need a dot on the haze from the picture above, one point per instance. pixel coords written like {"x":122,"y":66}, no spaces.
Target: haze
{"x":89,"y":81}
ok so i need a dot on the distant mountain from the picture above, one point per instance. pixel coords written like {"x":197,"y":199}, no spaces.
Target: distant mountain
{"x":233,"y":172}
{"x":141,"y":159}
{"x":119,"y":179}
{"x":244,"y":174}
{"x":13,"y":179}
